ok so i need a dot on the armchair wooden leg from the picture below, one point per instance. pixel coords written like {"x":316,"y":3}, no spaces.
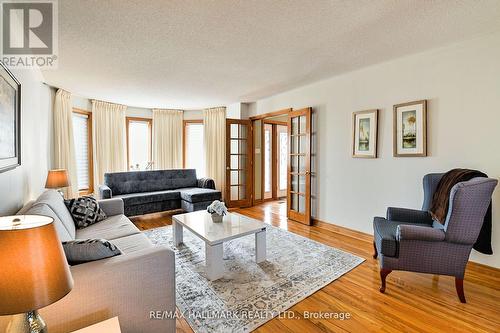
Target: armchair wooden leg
{"x":383,"y":274}
{"x":459,"y":285}
{"x":375,"y":252}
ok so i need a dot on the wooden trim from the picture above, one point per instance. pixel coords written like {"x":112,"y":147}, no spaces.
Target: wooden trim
{"x":90,"y":151}
{"x":271,"y":114}
{"x":275,"y":122}
{"x":150,"y":128}
{"x":185,"y":125}
{"x":354,"y":114}
{"x":395,"y":128}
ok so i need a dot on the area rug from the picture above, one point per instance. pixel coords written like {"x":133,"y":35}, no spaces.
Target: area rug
{"x":250,"y":294}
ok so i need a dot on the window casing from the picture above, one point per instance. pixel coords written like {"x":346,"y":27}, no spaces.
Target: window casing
{"x":139,"y":143}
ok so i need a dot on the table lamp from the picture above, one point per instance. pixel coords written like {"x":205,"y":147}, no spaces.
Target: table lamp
{"x":57,"y":179}
{"x":34,"y":272}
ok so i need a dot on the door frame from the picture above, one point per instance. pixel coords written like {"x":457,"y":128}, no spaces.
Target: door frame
{"x":262,"y":118}
{"x":274,"y":158}
{"x":250,"y":167}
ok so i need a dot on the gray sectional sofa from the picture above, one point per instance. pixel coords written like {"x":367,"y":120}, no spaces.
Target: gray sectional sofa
{"x":130,"y":285}
{"x":146,"y":192}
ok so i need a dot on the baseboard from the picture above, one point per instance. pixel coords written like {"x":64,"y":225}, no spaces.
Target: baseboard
{"x":342,"y":230}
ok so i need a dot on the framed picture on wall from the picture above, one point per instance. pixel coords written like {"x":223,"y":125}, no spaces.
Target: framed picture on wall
{"x":410,"y":129}
{"x":364,"y":133}
{"x":10,"y":120}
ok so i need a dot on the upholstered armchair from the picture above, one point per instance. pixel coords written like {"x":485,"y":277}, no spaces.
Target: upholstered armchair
{"x":409,"y":240}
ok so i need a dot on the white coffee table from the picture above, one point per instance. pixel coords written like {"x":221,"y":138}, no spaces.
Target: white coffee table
{"x":214,"y":234}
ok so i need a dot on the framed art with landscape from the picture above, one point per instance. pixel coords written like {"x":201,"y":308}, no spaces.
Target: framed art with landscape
{"x":10,"y":120}
{"x":410,"y":129}
{"x":364,"y":133}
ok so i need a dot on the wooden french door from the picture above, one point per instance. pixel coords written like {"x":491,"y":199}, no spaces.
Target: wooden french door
{"x":239,"y":159}
{"x":299,"y":166}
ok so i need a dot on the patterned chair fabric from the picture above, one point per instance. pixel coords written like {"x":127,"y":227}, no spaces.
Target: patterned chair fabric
{"x":409,"y":240}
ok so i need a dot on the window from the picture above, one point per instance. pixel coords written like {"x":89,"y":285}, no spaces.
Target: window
{"x":82,"y":135}
{"x":139,"y":140}
{"x":194,"y":149}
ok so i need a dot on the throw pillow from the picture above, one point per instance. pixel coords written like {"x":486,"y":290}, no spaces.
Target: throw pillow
{"x":85,"y":211}
{"x":80,"y":251}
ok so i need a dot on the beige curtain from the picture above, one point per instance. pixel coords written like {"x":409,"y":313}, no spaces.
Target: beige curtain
{"x":167,"y":139}
{"x":214,"y":121}
{"x":64,"y":146}
{"x":108,"y":122}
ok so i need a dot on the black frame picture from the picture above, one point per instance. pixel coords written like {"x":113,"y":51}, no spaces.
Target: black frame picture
{"x":10,"y":120}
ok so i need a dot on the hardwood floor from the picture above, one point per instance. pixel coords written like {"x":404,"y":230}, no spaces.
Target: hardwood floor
{"x":412,"y":302}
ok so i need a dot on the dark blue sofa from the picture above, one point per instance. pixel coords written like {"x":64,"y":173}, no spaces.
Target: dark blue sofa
{"x":146,"y":192}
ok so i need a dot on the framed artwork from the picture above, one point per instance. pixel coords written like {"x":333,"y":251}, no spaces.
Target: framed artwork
{"x":10,"y":120}
{"x":410,"y":129}
{"x":364,"y":133}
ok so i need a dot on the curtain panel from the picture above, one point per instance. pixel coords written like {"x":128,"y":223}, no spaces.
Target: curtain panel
{"x":109,"y":142}
{"x":214,"y":121}
{"x":167,"y":139}
{"x":64,"y":146}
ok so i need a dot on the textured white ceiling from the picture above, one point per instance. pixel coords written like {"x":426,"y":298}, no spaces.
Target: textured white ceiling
{"x":193,"y":54}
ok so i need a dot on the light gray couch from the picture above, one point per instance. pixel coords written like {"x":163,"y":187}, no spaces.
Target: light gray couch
{"x":130,"y":285}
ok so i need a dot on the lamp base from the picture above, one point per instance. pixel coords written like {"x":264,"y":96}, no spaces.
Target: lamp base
{"x":29,"y":322}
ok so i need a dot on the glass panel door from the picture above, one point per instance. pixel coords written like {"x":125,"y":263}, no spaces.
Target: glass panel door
{"x":299,"y":166}
{"x":282,"y":143}
{"x":238,"y":163}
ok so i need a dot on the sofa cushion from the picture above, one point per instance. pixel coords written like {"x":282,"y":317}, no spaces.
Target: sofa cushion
{"x":85,"y":211}
{"x":113,"y":227}
{"x":80,"y":251}
{"x":150,"y":181}
{"x":148,"y":197}
{"x":133,"y":243}
{"x":55,"y":201}
{"x":385,"y":235}
{"x":45,"y":210}
{"x":196,"y":194}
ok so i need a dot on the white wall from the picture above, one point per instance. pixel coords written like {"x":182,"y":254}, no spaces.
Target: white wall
{"x":237,"y":111}
{"x":462,"y":85}
{"x":26,"y":182}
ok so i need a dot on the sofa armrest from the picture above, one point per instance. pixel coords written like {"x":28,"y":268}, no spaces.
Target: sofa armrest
{"x":112,"y":206}
{"x":206,"y":183}
{"x":409,"y":215}
{"x":105,"y":192}
{"x":419,"y":232}
{"x":130,"y":286}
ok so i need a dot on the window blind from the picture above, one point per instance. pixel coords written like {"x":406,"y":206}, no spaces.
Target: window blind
{"x":195,"y":150}
{"x":80,"y":134}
